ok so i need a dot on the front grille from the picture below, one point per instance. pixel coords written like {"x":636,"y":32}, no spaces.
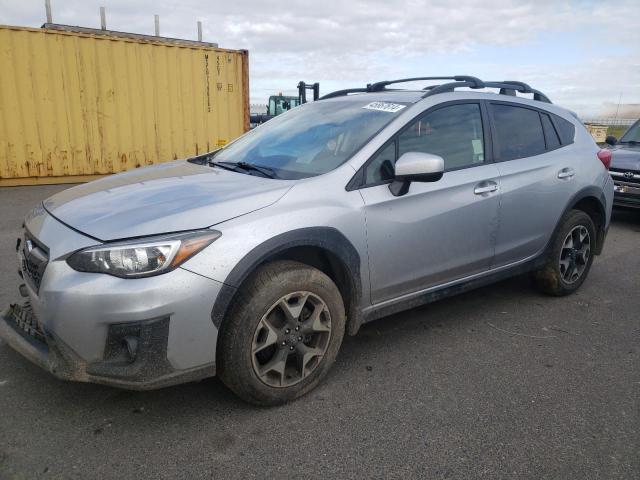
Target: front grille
{"x":35,"y":257}
{"x":26,"y":322}
{"x":628,"y":176}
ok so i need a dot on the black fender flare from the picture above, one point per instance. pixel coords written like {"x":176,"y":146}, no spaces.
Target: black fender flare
{"x":326,"y":238}
{"x":587,"y":192}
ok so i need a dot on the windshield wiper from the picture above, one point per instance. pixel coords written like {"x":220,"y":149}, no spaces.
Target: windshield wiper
{"x":266,"y":171}
{"x":223,"y":165}
{"x":632,"y":142}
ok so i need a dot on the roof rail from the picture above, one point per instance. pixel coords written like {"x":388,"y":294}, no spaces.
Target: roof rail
{"x":525,"y":86}
{"x":341,"y":93}
{"x":519,"y":87}
{"x":379,"y":86}
{"x":507,"y":87}
{"x":449,"y":87}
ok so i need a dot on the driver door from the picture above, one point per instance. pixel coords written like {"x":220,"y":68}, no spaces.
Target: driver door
{"x":439,"y":231}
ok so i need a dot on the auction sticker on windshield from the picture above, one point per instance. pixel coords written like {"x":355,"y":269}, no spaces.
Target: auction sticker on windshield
{"x":384,"y":107}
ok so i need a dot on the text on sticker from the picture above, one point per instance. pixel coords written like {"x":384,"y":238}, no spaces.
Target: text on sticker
{"x":384,"y":107}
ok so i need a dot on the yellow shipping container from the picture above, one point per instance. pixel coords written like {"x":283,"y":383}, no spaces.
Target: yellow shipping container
{"x":77,"y":103}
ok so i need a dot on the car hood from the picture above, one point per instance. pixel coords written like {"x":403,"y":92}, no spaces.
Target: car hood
{"x":170,"y":197}
{"x":626,"y":157}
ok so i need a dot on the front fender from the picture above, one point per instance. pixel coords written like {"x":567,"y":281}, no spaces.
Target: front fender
{"x":325,"y":238}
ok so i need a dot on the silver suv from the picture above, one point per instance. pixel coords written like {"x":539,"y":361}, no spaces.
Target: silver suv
{"x":251,"y":262}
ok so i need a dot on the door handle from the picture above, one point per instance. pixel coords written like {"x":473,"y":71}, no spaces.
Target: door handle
{"x":566,"y":173}
{"x":485,"y":187}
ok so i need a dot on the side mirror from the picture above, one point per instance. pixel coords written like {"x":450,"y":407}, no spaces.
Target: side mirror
{"x":611,"y":140}
{"x":416,"y":167}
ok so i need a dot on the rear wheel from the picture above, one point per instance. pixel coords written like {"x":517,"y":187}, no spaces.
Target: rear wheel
{"x":569,"y":257}
{"x":283,"y":333}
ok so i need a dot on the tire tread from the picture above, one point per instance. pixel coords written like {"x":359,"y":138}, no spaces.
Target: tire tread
{"x":547,"y":278}
{"x":232,"y":363}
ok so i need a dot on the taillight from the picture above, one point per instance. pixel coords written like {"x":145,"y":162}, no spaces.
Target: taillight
{"x":605,"y":157}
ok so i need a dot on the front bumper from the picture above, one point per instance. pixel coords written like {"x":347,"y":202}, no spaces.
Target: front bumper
{"x":627,"y":200}
{"x":138,"y":333}
{"x":626,"y":194}
{"x":144,"y":369}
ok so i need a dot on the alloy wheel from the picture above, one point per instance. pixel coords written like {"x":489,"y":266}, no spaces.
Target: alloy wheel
{"x":291,"y":339}
{"x":574,"y":255}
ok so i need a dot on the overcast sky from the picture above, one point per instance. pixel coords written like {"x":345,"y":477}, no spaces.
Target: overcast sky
{"x":582,"y":54}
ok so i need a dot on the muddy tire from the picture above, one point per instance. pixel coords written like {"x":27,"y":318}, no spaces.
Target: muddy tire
{"x":282,"y":335}
{"x":568,"y":259}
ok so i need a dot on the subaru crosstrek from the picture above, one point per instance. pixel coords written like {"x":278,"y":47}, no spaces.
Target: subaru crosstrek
{"x":253,"y":261}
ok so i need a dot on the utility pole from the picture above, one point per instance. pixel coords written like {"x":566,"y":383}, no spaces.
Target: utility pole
{"x":618,"y":107}
{"x":47,"y":8}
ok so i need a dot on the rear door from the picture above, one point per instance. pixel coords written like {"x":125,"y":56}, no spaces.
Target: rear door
{"x":537,"y":177}
{"x":438,"y":231}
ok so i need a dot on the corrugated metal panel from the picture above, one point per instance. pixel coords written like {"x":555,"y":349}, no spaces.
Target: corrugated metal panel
{"x":76,"y":105}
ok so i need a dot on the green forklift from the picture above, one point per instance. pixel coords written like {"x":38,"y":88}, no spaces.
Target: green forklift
{"x":283,"y":103}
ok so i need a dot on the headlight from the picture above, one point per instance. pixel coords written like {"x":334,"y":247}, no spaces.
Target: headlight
{"x":142,"y":257}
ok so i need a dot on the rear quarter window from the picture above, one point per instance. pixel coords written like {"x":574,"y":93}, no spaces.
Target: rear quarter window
{"x":518,"y":132}
{"x":566,"y":129}
{"x":550,"y":133}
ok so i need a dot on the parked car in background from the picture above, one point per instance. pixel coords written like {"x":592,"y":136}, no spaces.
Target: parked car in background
{"x":625,"y":167}
{"x":251,"y":262}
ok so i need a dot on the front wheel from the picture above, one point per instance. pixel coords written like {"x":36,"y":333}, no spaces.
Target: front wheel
{"x":282,"y":335}
{"x":569,"y":257}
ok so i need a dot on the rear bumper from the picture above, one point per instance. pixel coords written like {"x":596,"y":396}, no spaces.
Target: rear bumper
{"x":147,"y":369}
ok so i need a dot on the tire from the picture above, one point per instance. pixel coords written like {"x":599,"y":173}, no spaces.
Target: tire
{"x":556,"y":276}
{"x":263,"y":312}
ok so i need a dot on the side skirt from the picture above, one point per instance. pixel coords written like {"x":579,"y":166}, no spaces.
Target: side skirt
{"x":418,"y":299}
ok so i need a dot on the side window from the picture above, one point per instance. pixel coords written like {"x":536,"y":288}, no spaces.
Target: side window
{"x":454,"y":133}
{"x":518,"y":132}
{"x":380,"y":167}
{"x":550,"y":133}
{"x":566,"y":130}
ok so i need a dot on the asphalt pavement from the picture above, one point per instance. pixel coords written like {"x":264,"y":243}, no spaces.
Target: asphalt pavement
{"x":501,"y":382}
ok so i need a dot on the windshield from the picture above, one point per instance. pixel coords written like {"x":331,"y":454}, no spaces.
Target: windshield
{"x":311,"y":139}
{"x":633,"y":134}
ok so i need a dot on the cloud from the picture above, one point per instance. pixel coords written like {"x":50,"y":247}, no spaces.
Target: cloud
{"x":344,"y":43}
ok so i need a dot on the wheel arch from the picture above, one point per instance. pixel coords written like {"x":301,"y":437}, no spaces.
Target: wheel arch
{"x":590,"y":200}
{"x":324,"y":248}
